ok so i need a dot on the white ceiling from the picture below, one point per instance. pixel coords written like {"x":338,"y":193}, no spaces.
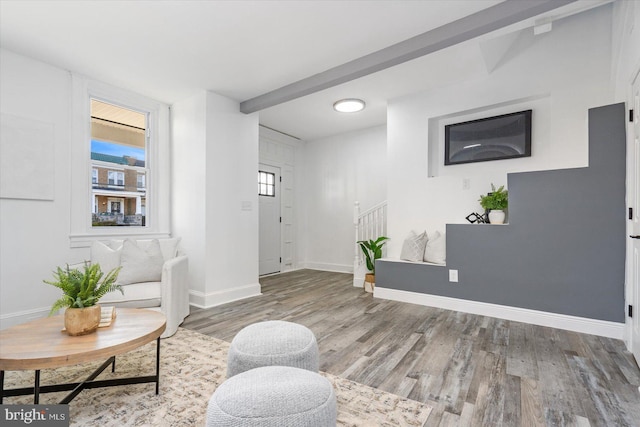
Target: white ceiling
{"x":170,"y":50}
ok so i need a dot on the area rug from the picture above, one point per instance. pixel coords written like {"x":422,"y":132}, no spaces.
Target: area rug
{"x":192,"y":366}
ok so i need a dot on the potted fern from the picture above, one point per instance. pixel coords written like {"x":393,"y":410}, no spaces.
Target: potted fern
{"x":81,"y":291}
{"x":495,"y":203}
{"x":372,"y":250}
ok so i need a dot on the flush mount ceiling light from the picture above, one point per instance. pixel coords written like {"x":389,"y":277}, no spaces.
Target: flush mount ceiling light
{"x":350,"y":105}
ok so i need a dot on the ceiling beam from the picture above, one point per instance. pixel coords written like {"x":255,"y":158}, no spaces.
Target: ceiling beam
{"x":493,"y":18}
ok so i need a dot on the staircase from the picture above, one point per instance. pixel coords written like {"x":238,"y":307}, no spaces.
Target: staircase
{"x":369,"y":224}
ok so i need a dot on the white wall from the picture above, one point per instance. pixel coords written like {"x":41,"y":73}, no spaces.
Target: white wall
{"x":188,"y":213}
{"x":338,"y":171}
{"x":232,"y":162}
{"x":626,"y":46}
{"x":34,"y":233}
{"x":217,"y":217}
{"x":214,"y":163}
{"x":38,"y":235}
{"x":559,"y":75}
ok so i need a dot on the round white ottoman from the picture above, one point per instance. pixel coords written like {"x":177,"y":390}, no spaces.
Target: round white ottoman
{"x":273,"y":343}
{"x":273,"y":396}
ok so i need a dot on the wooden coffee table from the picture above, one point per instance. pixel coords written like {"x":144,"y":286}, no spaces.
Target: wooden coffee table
{"x":41,"y":344}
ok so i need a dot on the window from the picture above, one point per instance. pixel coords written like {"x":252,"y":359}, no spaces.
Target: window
{"x":118,"y":138}
{"x":141,"y":180}
{"x":116,"y":178}
{"x":266,"y":184}
{"x":147,"y":210}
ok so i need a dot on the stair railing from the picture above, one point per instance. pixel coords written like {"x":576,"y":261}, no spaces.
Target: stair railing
{"x":369,"y":224}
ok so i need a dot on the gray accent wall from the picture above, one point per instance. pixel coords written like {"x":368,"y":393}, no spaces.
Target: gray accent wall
{"x":563,"y":250}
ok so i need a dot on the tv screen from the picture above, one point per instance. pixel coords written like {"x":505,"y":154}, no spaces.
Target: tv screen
{"x":501,"y":137}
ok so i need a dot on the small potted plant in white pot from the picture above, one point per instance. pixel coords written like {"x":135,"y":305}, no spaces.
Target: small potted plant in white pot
{"x":372,"y":250}
{"x":495,"y":203}
{"x":81,"y":291}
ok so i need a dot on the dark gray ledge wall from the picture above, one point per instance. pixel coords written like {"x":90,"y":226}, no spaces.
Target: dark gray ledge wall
{"x":563,"y":250}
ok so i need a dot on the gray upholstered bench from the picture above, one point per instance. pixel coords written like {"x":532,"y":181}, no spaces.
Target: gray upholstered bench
{"x":270,"y":343}
{"x":273,"y":396}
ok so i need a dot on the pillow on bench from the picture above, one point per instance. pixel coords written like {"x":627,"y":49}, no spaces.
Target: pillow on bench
{"x":435,"y":251}
{"x":414,"y":246}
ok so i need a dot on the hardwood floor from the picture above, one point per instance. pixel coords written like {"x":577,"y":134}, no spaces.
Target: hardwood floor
{"x":474,"y":370}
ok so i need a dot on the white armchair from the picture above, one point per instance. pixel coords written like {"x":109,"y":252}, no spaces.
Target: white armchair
{"x":154,"y":275}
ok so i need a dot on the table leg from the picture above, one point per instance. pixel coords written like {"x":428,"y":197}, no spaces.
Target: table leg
{"x":36,"y":388}
{"x":87,"y":382}
{"x":158,"y":366}
{"x":90,"y":382}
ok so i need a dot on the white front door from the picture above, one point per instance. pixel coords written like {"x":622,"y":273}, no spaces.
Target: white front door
{"x":269,"y":205}
{"x":633,"y":197}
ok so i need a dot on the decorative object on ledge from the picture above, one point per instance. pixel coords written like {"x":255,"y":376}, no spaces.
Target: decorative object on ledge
{"x":495,"y":202}
{"x":476,"y":218}
{"x":81,"y":291}
{"x":496,"y":216}
{"x":372,"y":250}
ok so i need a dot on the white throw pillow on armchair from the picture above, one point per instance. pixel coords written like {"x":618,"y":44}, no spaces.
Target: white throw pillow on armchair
{"x":140,"y":264}
{"x":168,"y":246}
{"x":107,"y":257}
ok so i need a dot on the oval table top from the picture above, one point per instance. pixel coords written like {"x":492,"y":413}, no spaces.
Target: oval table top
{"x":41,"y":344}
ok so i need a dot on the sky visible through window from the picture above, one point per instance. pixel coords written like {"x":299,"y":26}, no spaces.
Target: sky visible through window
{"x":118,"y":150}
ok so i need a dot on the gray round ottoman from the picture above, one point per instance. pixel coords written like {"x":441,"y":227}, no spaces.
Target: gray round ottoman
{"x":270,"y":343}
{"x":273,"y":396}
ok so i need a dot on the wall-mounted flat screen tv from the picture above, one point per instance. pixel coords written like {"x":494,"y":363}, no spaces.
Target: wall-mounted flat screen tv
{"x":494,"y":138}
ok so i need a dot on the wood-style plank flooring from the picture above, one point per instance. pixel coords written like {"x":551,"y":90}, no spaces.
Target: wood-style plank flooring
{"x":474,"y":370}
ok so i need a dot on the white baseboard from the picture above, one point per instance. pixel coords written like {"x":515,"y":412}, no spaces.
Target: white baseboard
{"x":11,"y":319}
{"x":212,"y":299}
{"x":542,"y":318}
{"x":277,"y":273}
{"x":336,"y":268}
{"x":358,"y":281}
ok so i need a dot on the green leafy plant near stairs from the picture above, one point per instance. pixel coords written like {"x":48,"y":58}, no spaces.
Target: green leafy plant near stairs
{"x":83,"y":288}
{"x":372,"y":250}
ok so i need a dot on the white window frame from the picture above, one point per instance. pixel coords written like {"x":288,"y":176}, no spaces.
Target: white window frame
{"x":94,"y":176}
{"x":269,"y":187}
{"x":82,"y":234}
{"x":118,"y":181}
{"x":143,"y":180}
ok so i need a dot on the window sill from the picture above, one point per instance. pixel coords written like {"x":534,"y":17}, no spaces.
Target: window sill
{"x":85,"y":240}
